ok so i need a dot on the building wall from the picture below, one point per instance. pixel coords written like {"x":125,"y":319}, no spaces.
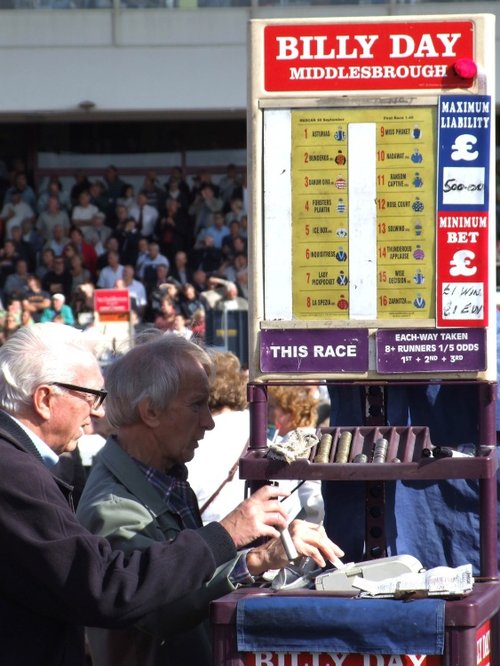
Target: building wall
{"x":146,"y":63}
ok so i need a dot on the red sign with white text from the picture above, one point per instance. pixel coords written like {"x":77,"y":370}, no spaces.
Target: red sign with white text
{"x":111,"y":300}
{"x":462,"y":291}
{"x":334,"y":659}
{"x":366,"y":56}
{"x":483,"y":644}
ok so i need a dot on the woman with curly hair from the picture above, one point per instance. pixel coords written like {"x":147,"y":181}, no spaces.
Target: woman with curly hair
{"x":291,"y":409}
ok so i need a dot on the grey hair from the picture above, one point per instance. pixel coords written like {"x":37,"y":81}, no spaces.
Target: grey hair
{"x":40,"y":354}
{"x":152,"y":370}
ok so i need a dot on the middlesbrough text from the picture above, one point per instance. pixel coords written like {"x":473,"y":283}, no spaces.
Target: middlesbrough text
{"x":369,"y":72}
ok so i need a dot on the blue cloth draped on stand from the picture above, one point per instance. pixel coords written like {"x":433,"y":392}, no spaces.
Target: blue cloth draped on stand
{"x":328,"y":624}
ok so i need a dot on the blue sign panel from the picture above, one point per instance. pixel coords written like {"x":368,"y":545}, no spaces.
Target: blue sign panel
{"x":464,"y":150}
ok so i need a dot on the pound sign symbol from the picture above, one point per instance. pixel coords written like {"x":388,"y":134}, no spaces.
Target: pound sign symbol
{"x":462,"y":148}
{"x":461,"y":264}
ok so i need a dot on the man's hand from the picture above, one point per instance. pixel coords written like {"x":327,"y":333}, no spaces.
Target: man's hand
{"x":260,"y":515}
{"x":309,"y":539}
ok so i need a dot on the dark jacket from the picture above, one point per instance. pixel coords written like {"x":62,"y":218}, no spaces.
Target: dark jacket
{"x":56,"y":577}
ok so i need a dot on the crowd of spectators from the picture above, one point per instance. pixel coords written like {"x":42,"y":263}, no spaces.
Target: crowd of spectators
{"x":179,"y":247}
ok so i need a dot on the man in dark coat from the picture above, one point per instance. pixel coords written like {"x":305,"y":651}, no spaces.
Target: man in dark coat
{"x":56,"y":576}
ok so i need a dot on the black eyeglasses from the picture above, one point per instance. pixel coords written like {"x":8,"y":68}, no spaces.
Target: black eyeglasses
{"x":98,"y":394}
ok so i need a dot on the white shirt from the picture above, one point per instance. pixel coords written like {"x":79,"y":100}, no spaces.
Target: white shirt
{"x":149,"y":218}
{"x":22,"y":211}
{"x":50,"y":457}
{"x":216,"y":454}
{"x":108,"y":277}
{"x":137,"y":290}
{"x":84,"y":212}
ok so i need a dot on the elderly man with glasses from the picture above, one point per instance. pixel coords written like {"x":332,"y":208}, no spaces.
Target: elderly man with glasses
{"x":56,"y":576}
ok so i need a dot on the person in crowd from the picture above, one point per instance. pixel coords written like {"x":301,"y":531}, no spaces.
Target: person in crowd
{"x":81,"y":183}
{"x":149,"y":264}
{"x":58,"y":311}
{"x":173,"y":229}
{"x":135,"y":288}
{"x":198,"y":324}
{"x":126,"y":199}
{"x":164,"y":320}
{"x":159,"y":288}
{"x":155,"y":194}
{"x":16,"y":284}
{"x":240,"y":266}
{"x":205,"y":204}
{"x":293,"y":409}
{"x":229,"y":184}
{"x":46,"y":264}
{"x":236,"y":211}
{"x":200,"y":280}
{"x":145,"y":216}
{"x":114,"y":187}
{"x":50,"y":216}
{"x":84,"y":249}
{"x":128,"y":236}
{"x":58,"y":280}
{"x":177,"y":182}
{"x":82,"y":214}
{"x":82,"y":304}
{"x":79,"y":274}
{"x":21,"y":185}
{"x":110,"y":273}
{"x":98,"y":233}
{"x":217,"y":231}
{"x":57,"y":576}
{"x":99,"y":196}
{"x":181,"y":327}
{"x":200,"y":180}
{"x":177,"y":188}
{"x":222,"y":294}
{"x":55,"y":189}
{"x":29,"y":236}
{"x":230,"y":243}
{"x":142,"y":255}
{"x":58,"y":241}
{"x":207,"y":256}
{"x":26,"y":318}
{"x":15,"y":307}
{"x":189,"y":301}
{"x":35,"y":300}
{"x":137,"y":493}
{"x":8,"y":258}
{"x":213,"y":471}
{"x":26,"y":250}
{"x":111,"y":245}
{"x":180,"y":269}
{"x":69,"y":252}
{"x":14,"y":212}
{"x":12,"y":323}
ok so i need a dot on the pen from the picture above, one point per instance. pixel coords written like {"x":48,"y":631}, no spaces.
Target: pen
{"x":293,"y":490}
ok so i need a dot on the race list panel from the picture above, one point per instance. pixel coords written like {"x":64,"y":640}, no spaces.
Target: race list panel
{"x":363,"y":213}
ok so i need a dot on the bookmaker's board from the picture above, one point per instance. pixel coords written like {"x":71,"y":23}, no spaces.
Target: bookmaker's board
{"x":373,"y":215}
